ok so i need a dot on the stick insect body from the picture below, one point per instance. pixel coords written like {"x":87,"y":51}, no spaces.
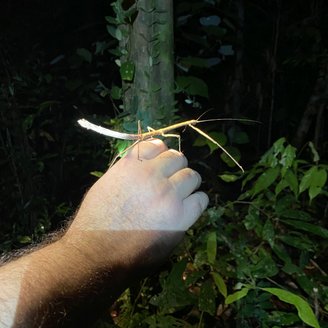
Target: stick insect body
{"x":159,"y":132}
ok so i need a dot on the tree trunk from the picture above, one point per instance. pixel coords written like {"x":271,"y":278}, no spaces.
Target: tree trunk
{"x":149,"y":97}
{"x":315,"y":107}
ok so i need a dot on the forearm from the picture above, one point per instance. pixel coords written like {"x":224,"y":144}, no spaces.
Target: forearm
{"x":72,"y":280}
{"x":58,"y":280}
{"x":40,"y":289}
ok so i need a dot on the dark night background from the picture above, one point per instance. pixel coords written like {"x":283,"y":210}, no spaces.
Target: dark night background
{"x":277,"y":74}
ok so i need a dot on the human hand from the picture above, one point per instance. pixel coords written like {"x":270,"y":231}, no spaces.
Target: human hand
{"x":139,"y":209}
{"x":151,"y":188}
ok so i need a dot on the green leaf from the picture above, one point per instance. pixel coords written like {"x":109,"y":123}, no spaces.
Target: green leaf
{"x":268,"y":233}
{"x":97,"y":174}
{"x":115,"y":32}
{"x":220,"y":284}
{"x":111,"y":20}
{"x":315,"y":154}
{"x":217,"y":136}
{"x":229,"y":177}
{"x":281,"y":252}
{"x":200,"y":259}
{"x":11,"y":89}
{"x":194,"y":61}
{"x":319,"y":178}
{"x":116,"y":92}
{"x":270,"y":157}
{"x":193,"y":86}
{"x":314,"y":180}
{"x":306,"y":284}
{"x":303,"y":308}
{"x":28,"y":122}
{"x":237,"y":296}
{"x":206,"y":301}
{"x":226,"y":50}
{"x":314,"y":191}
{"x":121,"y":145}
{"x":265,"y":180}
{"x":127,"y":71}
{"x":101,"y":46}
{"x":211,"y":246}
{"x":252,"y":220}
{"x":302,"y":243}
{"x":281,"y":185}
{"x":292,"y":181}
{"x":234,"y":152}
{"x":251,"y":175}
{"x":283,"y":319}
{"x":85,"y":54}
{"x":212,"y":20}
{"x":291,"y":268}
{"x":174,"y":294}
{"x":289,"y":180}
{"x":293,"y":214}
{"x":24,"y":239}
{"x":278,"y":147}
{"x":192,"y":277}
{"x":305,"y":226}
{"x":287,"y":158}
{"x":240,"y":137}
{"x":264,"y":265}
{"x":306,"y":179}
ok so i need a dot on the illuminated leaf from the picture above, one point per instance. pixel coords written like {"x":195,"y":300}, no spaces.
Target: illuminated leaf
{"x":211,"y":246}
{"x":265,"y":180}
{"x":303,"y":308}
{"x":237,"y":296}
{"x":229,"y":177}
{"x":220,"y":284}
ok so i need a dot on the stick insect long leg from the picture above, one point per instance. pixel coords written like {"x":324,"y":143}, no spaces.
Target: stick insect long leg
{"x":216,"y":143}
{"x":169,"y":135}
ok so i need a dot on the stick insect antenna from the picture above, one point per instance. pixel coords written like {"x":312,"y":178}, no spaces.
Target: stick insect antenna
{"x":229,"y":119}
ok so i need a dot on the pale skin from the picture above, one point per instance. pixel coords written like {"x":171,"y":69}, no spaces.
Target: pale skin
{"x":128,"y":223}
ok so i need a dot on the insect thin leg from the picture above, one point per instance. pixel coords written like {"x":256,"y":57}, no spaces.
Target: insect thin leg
{"x":171,"y":135}
{"x":140,"y":136}
{"x":123,"y":152}
{"x":216,"y":143}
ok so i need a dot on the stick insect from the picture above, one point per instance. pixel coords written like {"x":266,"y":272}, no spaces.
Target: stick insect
{"x":159,"y":132}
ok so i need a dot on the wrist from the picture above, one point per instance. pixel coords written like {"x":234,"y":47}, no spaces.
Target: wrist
{"x":133,"y":251}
